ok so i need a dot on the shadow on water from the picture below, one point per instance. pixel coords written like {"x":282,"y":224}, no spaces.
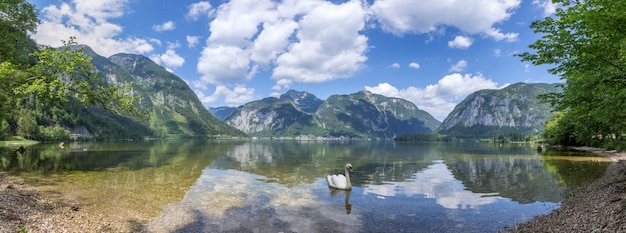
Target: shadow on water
{"x":88,"y":156}
{"x":574,"y":168}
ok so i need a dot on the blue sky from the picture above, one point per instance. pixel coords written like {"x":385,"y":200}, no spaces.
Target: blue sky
{"x":431,"y":52}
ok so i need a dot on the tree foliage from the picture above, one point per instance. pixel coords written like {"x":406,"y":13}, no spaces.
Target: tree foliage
{"x":585,"y":43}
{"x":17,"y":19}
{"x":54,"y":76}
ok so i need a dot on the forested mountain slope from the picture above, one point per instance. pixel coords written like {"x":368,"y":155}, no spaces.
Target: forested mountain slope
{"x":173,"y":109}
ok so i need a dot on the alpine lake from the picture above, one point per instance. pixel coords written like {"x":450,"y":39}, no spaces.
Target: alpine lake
{"x":280,"y":186}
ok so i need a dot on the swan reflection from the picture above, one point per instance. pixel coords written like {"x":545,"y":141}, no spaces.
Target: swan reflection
{"x":436,"y":182}
{"x":337,"y":192}
{"x":222,"y":200}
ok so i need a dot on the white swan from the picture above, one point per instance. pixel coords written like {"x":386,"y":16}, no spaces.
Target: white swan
{"x":341,"y":181}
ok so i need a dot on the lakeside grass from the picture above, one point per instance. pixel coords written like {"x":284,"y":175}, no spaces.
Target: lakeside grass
{"x":16,"y":140}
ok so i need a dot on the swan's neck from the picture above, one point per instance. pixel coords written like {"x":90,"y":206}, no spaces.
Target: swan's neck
{"x":348,"y":184}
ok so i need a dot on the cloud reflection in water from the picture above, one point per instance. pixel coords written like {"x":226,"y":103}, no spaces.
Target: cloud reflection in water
{"x":231,"y":200}
{"x":437,"y":182}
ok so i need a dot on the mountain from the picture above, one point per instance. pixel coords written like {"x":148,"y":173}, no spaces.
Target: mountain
{"x":274,"y":117}
{"x":303,"y":100}
{"x":364,"y":114}
{"x":360,"y":115}
{"x":488,"y":113}
{"x":222,"y":112}
{"x":174,"y":109}
{"x":307,"y":102}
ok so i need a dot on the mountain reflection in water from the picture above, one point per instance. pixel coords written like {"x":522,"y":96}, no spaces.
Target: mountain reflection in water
{"x":436,"y":182}
{"x":274,"y":186}
{"x":236,"y":201}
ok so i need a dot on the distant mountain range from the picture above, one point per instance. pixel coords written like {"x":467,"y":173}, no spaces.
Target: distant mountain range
{"x":176,"y":112}
{"x":483,"y":114}
{"x":358,"y":115}
{"x":174,"y":109}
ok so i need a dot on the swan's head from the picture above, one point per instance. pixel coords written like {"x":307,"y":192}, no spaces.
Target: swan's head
{"x":349,"y":167}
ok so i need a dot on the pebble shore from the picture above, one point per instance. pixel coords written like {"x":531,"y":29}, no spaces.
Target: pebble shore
{"x":597,"y":207}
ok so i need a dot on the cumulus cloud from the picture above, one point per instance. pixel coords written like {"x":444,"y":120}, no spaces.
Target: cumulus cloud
{"x":497,"y":35}
{"x":232,"y":97}
{"x":89,"y":22}
{"x":199,"y":9}
{"x":167,"y":26}
{"x":460,"y":42}
{"x":438,"y":99}
{"x":425,"y":16}
{"x":329,"y":47}
{"x":459,"y":66}
{"x":318,"y":41}
{"x":272,"y":40}
{"x":169,"y":59}
{"x":395,"y":65}
{"x":300,"y":41}
{"x":221,"y":64}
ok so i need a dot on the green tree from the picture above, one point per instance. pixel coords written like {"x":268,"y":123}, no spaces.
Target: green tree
{"x":53,"y":76}
{"x":17,"y":19}
{"x":585,"y":43}
{"x":26,"y":126}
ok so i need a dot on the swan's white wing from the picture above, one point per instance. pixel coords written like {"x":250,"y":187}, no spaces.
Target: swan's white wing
{"x":337,"y":181}
{"x":330,"y":181}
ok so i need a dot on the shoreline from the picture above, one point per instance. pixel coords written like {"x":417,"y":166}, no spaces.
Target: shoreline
{"x":599,"y":206}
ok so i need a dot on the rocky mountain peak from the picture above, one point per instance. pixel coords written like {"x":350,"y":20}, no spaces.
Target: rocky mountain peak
{"x":306,"y":101}
{"x":515,"y":108}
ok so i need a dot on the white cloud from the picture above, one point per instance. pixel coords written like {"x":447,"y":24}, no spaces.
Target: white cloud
{"x":199,"y":9}
{"x":460,"y":42}
{"x":237,"y":96}
{"x":222,"y":64}
{"x":167,"y":26}
{"x":424,"y":16}
{"x":272,"y":40}
{"x":226,"y":57}
{"x":414,"y":65}
{"x":329,"y":45}
{"x":89,"y":22}
{"x":497,"y":35}
{"x":192,"y":41}
{"x":395,"y":65}
{"x":497,"y":52}
{"x":548,"y":7}
{"x":441,"y":98}
{"x":459,"y":66}
{"x":169,"y":59}
{"x":236,"y":22}
{"x":301,"y":41}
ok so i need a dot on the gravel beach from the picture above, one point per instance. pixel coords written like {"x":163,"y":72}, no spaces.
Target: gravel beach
{"x":596,"y":207}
